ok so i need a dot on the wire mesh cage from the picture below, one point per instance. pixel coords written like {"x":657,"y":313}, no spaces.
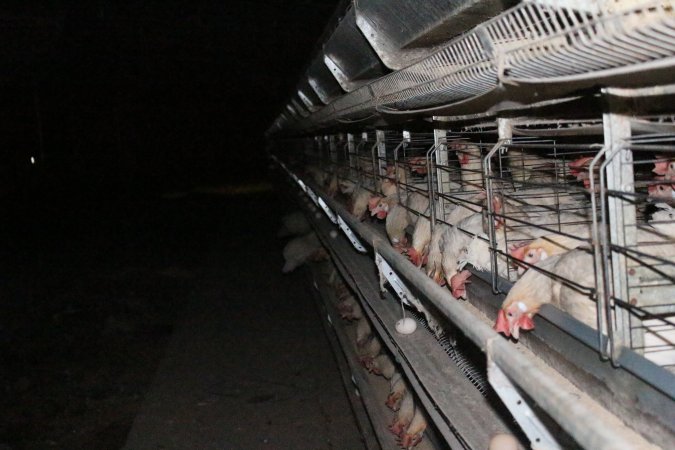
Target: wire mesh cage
{"x":460,"y":70}
{"x":590,"y":213}
{"x":456,"y":196}
{"x":539,"y":206}
{"x":504,"y":205}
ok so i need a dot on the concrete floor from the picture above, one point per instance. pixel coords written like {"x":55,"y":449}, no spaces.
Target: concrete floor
{"x":249,"y":366}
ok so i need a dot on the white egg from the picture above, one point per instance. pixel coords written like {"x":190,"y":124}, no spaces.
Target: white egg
{"x":406,"y":326}
{"x":333,"y":234}
{"x":504,"y":442}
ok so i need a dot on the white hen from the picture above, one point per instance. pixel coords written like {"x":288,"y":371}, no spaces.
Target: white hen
{"x":302,"y":249}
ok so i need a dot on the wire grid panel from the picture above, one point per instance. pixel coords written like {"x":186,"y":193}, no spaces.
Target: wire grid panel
{"x":559,"y":44}
{"x":647,"y":263}
{"x":349,"y":102}
{"x":460,"y":70}
{"x":349,"y":168}
{"x":462,"y":192}
{"x":382,"y":155}
{"x":368,"y":173}
{"x":459,"y":203}
{"x":540,"y":207}
{"x":462,"y":173}
{"x":411,"y":160}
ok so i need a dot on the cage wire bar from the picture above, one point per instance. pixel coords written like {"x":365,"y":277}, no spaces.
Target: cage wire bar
{"x":530,"y":181}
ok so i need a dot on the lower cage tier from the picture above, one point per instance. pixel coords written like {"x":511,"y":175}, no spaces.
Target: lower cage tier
{"x":447,"y":373}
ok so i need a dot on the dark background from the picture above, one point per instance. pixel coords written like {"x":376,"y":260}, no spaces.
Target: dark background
{"x":156,"y":94}
{"x":120,"y":102}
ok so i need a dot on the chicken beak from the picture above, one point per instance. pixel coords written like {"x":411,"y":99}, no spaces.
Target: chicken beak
{"x":515,"y":332}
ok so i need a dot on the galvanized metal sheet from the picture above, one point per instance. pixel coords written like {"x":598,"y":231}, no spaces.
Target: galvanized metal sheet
{"x":403,"y":31}
{"x":322,"y":81}
{"x":349,"y":57}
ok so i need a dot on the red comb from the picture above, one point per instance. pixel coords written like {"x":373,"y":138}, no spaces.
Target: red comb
{"x":502,"y":324}
{"x":526,"y":322}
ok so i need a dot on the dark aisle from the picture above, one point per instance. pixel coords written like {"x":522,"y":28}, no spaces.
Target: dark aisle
{"x":170,"y":315}
{"x":248,"y":366}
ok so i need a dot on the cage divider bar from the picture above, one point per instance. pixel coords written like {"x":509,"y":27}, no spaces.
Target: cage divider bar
{"x":601,"y":280}
{"x":618,"y":212}
{"x":504,"y":137}
{"x":433,"y":205}
{"x":381,"y":151}
{"x":442,"y":176}
{"x":351,"y":148}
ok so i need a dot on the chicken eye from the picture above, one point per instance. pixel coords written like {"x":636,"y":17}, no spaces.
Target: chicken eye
{"x":510,"y":314}
{"x":530,"y":255}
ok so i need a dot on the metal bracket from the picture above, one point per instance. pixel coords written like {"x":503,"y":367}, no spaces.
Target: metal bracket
{"x":387,"y":273}
{"x":356,"y":386}
{"x":539,"y":436}
{"x":300,"y":182}
{"x":312,"y":195}
{"x":350,"y":235}
{"x":331,"y":215}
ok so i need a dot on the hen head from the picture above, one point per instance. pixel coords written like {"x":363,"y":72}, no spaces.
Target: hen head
{"x":579,"y":165}
{"x":463,"y":157}
{"x":527,"y":253}
{"x":662,"y":191}
{"x":664,"y":167}
{"x":513,"y":318}
{"x":378,"y":207}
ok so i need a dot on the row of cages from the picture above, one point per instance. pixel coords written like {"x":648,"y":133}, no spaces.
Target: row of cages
{"x":580,"y":221}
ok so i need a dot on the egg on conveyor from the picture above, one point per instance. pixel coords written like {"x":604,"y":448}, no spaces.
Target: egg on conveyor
{"x":504,"y":442}
{"x":406,"y":325}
